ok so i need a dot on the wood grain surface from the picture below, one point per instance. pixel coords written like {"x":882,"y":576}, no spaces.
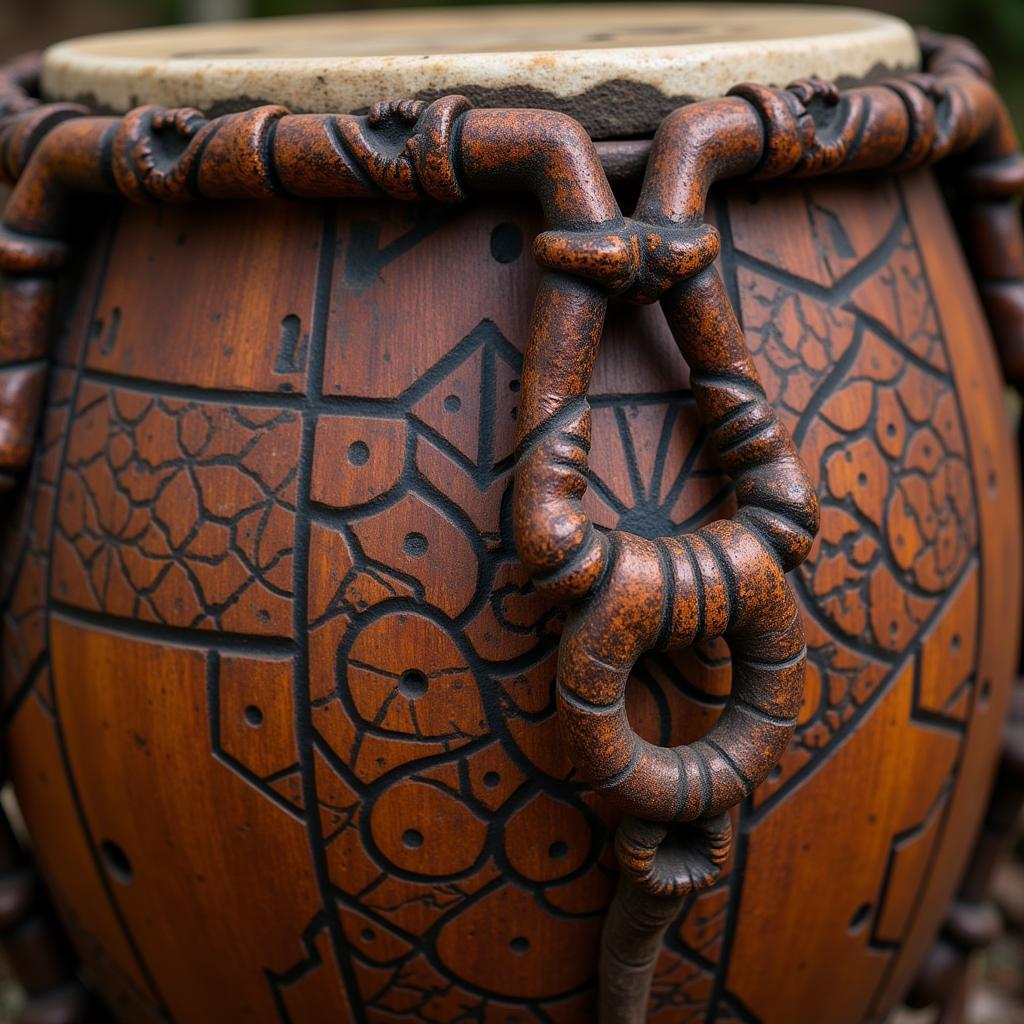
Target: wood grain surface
{"x":280,"y":696}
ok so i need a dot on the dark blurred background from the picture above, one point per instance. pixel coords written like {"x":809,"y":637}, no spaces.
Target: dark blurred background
{"x":996,"y":25}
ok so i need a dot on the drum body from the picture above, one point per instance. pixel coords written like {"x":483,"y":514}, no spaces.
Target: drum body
{"x":280,"y":696}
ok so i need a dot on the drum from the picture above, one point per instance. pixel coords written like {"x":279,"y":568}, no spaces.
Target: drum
{"x":440,"y":474}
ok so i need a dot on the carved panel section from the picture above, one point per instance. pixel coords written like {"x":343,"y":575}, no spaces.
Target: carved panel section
{"x":874,"y":818}
{"x":430,"y":658}
{"x":181,"y":320}
{"x":26,"y":556}
{"x":838,"y":313}
{"x":134,"y":726}
{"x":178,"y":512}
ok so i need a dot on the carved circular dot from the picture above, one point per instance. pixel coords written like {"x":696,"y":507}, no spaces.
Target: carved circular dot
{"x":894,"y":627}
{"x":890,"y":430}
{"x":367,"y":935}
{"x":415,"y":545}
{"x":253,"y":715}
{"x":514,"y":386}
{"x":452,"y":403}
{"x":954,"y":643}
{"x":558,"y":850}
{"x":358,"y":453}
{"x":860,"y":917}
{"x":506,"y":243}
{"x":412,"y":683}
{"x":519,"y":945}
{"x":862,"y":479}
{"x":116,"y":861}
{"x":491,"y":779}
{"x":412,"y":839}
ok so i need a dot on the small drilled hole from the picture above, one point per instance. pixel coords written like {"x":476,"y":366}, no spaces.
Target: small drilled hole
{"x":491,"y":779}
{"x":253,"y":715}
{"x":558,"y":850}
{"x":519,"y":945}
{"x":412,"y":839}
{"x":358,"y":453}
{"x":367,"y":935}
{"x":415,"y":545}
{"x":117,"y":862}
{"x":452,"y":403}
{"x":506,"y":243}
{"x":412,"y":683}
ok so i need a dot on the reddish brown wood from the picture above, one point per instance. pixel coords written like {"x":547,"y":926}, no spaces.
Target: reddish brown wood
{"x":973,"y":922}
{"x":989,"y":222}
{"x":629,"y":593}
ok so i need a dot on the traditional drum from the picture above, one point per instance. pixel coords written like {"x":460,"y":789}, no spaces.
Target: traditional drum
{"x":502,"y":480}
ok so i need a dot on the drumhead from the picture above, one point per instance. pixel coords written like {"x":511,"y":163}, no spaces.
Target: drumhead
{"x":618,"y":68}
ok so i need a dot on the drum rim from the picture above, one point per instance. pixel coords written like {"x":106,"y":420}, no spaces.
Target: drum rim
{"x":615,"y":92}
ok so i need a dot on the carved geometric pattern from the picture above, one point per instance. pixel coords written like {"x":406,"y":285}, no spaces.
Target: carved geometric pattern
{"x":458,"y":745}
{"x":51,"y":799}
{"x":859,"y":368}
{"x":854,"y":359}
{"x":379,"y":668}
{"x":25,"y":559}
{"x":178,"y":512}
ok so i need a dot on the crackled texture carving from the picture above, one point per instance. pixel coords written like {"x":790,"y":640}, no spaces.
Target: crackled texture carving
{"x":304,"y":519}
{"x":178,"y":512}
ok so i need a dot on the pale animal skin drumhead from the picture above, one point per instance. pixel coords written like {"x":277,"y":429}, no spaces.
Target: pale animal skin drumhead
{"x":618,"y":68}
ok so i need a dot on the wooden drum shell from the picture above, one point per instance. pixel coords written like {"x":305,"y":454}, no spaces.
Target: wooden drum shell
{"x":280,"y":696}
